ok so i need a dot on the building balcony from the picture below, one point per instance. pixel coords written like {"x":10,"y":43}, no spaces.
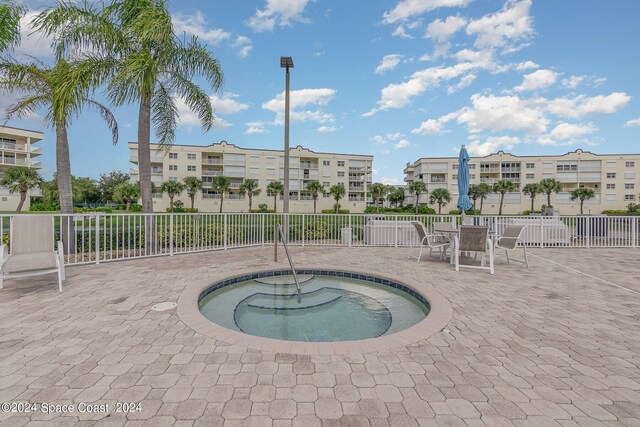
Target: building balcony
{"x":437,"y":180}
{"x":211,"y":173}
{"x":235,"y":185}
{"x":213,"y":161}
{"x":210,"y":196}
{"x":233,"y":196}
{"x":353,"y":188}
{"x":488,"y":180}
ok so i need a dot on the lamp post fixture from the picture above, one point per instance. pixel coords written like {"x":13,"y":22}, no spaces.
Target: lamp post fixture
{"x":286,"y":62}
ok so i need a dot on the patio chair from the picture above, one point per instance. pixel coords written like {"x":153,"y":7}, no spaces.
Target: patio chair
{"x":432,"y":241}
{"x":473,"y":238}
{"x":510,"y":240}
{"x":444,"y":226}
{"x":32,"y":250}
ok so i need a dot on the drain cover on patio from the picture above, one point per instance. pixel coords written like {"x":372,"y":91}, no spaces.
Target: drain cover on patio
{"x":164,"y":306}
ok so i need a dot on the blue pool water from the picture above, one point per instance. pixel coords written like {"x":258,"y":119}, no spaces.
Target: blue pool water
{"x":329,"y":308}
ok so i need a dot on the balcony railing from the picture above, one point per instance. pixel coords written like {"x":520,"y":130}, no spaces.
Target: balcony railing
{"x":12,"y":146}
{"x":211,"y":172}
{"x":210,"y":196}
{"x":212,"y":161}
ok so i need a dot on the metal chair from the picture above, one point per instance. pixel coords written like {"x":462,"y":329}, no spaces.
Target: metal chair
{"x":510,"y":240}
{"x":32,"y":249}
{"x":432,"y":241}
{"x":473,"y":238}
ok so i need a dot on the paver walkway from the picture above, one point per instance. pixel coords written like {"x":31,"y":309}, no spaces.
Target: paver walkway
{"x":536,"y":347}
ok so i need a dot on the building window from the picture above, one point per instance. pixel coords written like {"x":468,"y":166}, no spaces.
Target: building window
{"x":326,"y":163}
{"x":531,"y":165}
{"x":454,"y":166}
{"x":271,"y":171}
{"x":326,"y":174}
{"x":173,"y":178}
{"x":326,"y":184}
{"x":340,"y":173}
{"x":629,"y":164}
{"x":341,"y":163}
{"x":191,"y":156}
{"x":472,"y":166}
{"x":531,"y":176}
{"x":629,"y":186}
{"x":326,"y":195}
{"x":611,"y":165}
{"x":254,"y":159}
{"x":173,"y":167}
{"x":611,"y":186}
{"x":611,"y":174}
{"x":271,"y":159}
{"x":191,"y":168}
{"x":566,"y":167}
{"x":341,"y":184}
{"x":610,"y":197}
{"x":173,"y":155}
{"x":472,"y":176}
{"x":454,"y":176}
{"x":547,"y":165}
{"x":254,"y":171}
{"x":629,"y":197}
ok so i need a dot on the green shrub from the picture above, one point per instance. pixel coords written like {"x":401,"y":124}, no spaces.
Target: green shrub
{"x":262,"y":207}
{"x":89,"y":210}
{"x":333,"y":211}
{"x":469,"y":212}
{"x":618,"y":212}
{"x":43,"y":207}
{"x":183,"y":210}
{"x":527,"y":212}
{"x":134,"y":208}
{"x":405,"y":209}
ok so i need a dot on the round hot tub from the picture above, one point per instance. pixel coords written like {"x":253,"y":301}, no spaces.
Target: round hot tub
{"x":330,"y":306}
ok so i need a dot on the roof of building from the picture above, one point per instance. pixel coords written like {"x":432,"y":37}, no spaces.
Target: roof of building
{"x":502,"y":153}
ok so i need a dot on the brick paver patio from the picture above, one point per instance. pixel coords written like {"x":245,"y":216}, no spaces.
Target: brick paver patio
{"x":550,"y":345}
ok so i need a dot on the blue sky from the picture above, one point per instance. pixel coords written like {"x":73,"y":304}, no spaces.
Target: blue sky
{"x":399,"y":79}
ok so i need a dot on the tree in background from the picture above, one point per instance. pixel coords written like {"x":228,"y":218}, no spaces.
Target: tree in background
{"x":377,"y":191}
{"x":221,"y":184}
{"x":582,"y":194}
{"x":441,"y":196}
{"x":503,"y":186}
{"x":20,"y":179}
{"x":132,"y":46}
{"x":549,"y":186}
{"x":396,"y":196}
{"x":108,"y":182}
{"x":250,"y":188}
{"x":127,"y":193}
{"x":11,"y":12}
{"x":192,"y":184}
{"x":417,"y":188}
{"x":173,"y":189}
{"x":314,"y":188}
{"x":275,"y":188}
{"x":338,"y":192}
{"x":531,"y":190}
{"x":85,"y":190}
{"x":481,"y":192}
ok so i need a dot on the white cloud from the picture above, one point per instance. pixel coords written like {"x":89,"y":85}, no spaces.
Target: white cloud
{"x":539,"y":79}
{"x":526,"y":65}
{"x":400,"y":32}
{"x":33,"y":44}
{"x":403,"y":143}
{"x":634,"y":122}
{"x":407,"y":9}
{"x":501,"y":29}
{"x":278,"y":12}
{"x":582,"y":105}
{"x":243,"y":44}
{"x":429,"y":127}
{"x":190,"y":119}
{"x":227,"y":104}
{"x":568,"y":130}
{"x":327,"y":129}
{"x":378,"y":139}
{"x":491,"y":145}
{"x":441,"y":31}
{"x":573,"y":81}
{"x":301,"y":99}
{"x":464,"y":82}
{"x":197,"y":25}
{"x":255,"y":128}
{"x":382,"y":140}
{"x":388,"y":62}
{"x":391,"y":181}
{"x":494,"y":113}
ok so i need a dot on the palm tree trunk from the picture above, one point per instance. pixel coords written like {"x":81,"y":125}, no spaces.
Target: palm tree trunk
{"x":481,"y":204}
{"x":144,"y":153}
{"x":417,"y":198}
{"x":532,"y":199}
{"x":128,"y":205}
{"x":501,"y":201}
{"x":314,"y":203}
{"x":581,"y":206}
{"x":65,"y":190}
{"x":439,"y":208}
{"x":548,"y":200}
{"x":474,"y":205}
{"x":171,"y":204}
{"x":275,"y":206}
{"x":23,"y":197}
{"x":193,"y":197}
{"x":250,"y":201}
{"x":221,"y":200}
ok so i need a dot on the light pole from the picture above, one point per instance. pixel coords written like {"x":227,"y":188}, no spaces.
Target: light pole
{"x":286,"y":62}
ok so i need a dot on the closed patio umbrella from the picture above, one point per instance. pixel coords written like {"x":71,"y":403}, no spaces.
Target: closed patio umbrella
{"x":464,"y":204}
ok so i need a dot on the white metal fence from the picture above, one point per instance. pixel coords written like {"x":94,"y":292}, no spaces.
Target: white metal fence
{"x":99,"y":237}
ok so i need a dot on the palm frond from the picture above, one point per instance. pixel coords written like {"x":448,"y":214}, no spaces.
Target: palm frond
{"x":195,"y":98}
{"x":165,"y":116}
{"x":107,"y":116}
{"x":10,"y":15}
{"x":26,"y":106}
{"x":191,"y":59}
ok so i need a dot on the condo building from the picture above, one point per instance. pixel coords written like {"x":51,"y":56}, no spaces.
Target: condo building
{"x":352,"y":171}
{"x":16,"y":149}
{"x":612,"y":177}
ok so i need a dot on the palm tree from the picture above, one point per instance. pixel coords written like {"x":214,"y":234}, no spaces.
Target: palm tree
{"x":10,"y":14}
{"x":20,"y":179}
{"x":221,"y":184}
{"x":582,"y":194}
{"x":473,"y":194}
{"x":250,"y":188}
{"x":275,"y":188}
{"x":172,"y":188}
{"x":440,"y":196}
{"x":396,"y":197}
{"x":314,"y":188}
{"x":417,"y":188}
{"x":503,"y":186}
{"x":133,"y":48}
{"x":63,"y":94}
{"x":338,"y":192}
{"x":127,"y":193}
{"x":532,"y":190}
{"x":192,"y":184}
{"x":548,"y":186}
{"x":482,"y":190}
{"x":377,"y":191}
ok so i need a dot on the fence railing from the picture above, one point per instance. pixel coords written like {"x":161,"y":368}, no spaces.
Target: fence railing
{"x":100,"y":237}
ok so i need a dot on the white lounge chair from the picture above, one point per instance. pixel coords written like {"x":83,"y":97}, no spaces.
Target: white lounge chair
{"x":510,"y":240}
{"x":432,"y":241}
{"x":32,"y":250}
{"x":473,"y":238}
